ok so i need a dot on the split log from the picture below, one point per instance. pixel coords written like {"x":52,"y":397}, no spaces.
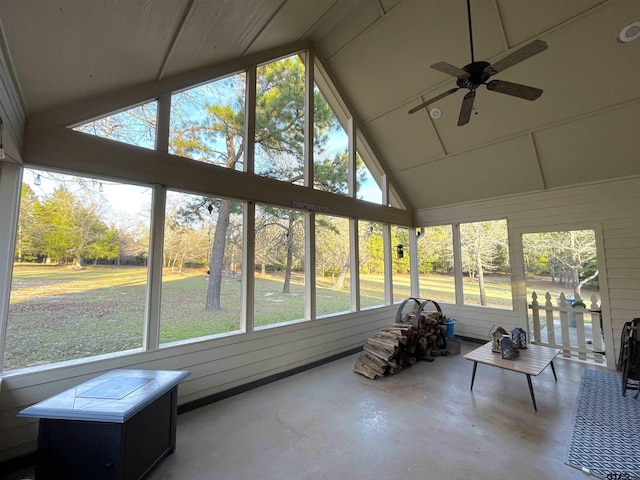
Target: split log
{"x":384,"y":344}
{"x":381,"y":364}
{"x":374,"y":365}
{"x":363,"y":369}
{"x":378,"y":352}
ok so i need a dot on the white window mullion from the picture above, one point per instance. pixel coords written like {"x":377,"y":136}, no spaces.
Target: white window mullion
{"x":151,"y":338}
{"x":308,"y":117}
{"x":385,"y":189}
{"x":310,"y":265}
{"x":457,"y":263}
{"x":250,"y":120}
{"x":413,"y":263}
{"x":354,"y":278}
{"x":248,"y":268}
{"x":388,"y":264}
{"x":352,"y":180}
{"x":163,"y":120}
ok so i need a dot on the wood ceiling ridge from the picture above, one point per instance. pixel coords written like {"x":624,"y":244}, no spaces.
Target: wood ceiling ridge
{"x":174,"y":39}
{"x":264,"y":26}
{"x":501,"y":22}
{"x":358,"y":36}
{"x":319,"y":22}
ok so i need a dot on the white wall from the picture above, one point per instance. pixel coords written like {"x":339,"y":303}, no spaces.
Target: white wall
{"x":611,"y":208}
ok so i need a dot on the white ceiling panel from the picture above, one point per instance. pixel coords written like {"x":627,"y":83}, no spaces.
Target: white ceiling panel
{"x":500,"y":169}
{"x":75,"y":49}
{"x":593,"y":148}
{"x":411,"y":139}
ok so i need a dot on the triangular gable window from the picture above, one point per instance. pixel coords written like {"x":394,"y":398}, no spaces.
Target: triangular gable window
{"x":366,"y":186}
{"x":330,"y":149}
{"x":207,"y":122}
{"x":135,"y":126}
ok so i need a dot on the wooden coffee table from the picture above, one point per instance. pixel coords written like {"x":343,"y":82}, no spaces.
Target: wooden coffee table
{"x":531,"y":361}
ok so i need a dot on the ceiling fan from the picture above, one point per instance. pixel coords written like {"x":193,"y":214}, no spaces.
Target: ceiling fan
{"x":478,"y":73}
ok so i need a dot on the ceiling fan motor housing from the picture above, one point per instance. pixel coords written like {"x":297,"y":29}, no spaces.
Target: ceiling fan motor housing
{"x":477,"y":75}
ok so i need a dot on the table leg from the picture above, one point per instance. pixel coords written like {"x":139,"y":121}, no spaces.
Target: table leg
{"x":473,"y":375}
{"x":533,"y":398}
{"x":553,"y":369}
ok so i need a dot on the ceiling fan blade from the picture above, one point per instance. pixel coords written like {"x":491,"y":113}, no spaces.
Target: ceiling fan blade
{"x":467,"y":107}
{"x":514,"y":89}
{"x":433,"y":100}
{"x":518,"y":56}
{"x":449,"y":69}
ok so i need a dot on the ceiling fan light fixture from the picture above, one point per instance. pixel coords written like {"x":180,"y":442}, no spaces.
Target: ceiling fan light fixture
{"x":629,"y":33}
{"x":435,"y":113}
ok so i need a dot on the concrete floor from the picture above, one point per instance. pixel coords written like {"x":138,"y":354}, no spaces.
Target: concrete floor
{"x":330,"y":423}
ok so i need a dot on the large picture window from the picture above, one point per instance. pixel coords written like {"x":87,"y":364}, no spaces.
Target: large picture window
{"x":79,"y":279}
{"x":485,"y":264}
{"x":332,"y":265}
{"x":202,"y":273}
{"x":435,"y":264}
{"x":279,"y":259}
{"x":401,"y":254}
{"x":371,"y":252}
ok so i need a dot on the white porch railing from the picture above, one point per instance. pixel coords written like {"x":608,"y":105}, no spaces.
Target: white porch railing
{"x":575,"y":330}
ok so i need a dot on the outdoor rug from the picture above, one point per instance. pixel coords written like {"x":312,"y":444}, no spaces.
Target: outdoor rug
{"x":606,"y":432}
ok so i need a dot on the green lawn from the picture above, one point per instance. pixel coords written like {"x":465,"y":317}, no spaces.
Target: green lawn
{"x":59,"y":313}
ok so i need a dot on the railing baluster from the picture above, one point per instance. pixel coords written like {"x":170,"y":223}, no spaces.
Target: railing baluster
{"x":536,"y":317}
{"x":579,"y":316}
{"x":551,"y":327}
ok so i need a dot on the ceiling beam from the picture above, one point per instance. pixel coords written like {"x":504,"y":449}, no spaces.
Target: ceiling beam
{"x":174,"y":40}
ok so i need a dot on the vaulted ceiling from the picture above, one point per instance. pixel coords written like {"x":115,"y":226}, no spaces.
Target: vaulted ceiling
{"x":583,"y":128}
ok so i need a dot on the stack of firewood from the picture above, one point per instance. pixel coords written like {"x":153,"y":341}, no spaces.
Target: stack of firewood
{"x":401,"y":345}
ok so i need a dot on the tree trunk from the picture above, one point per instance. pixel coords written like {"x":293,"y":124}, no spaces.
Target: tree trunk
{"x":217,"y":256}
{"x":286,"y":288}
{"x":342,"y":276}
{"x":483,"y":294}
